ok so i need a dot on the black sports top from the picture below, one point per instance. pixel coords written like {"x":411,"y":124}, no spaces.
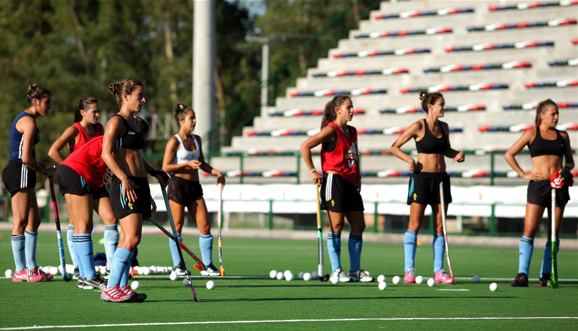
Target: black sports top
{"x":430,"y":144}
{"x":541,"y":146}
{"x":131,"y":139}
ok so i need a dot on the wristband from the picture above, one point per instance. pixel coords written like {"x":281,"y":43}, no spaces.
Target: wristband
{"x":45,"y":171}
{"x":523,"y":174}
{"x":312,"y":170}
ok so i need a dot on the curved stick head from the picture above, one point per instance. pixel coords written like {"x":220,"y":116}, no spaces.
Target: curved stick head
{"x":324,"y":278}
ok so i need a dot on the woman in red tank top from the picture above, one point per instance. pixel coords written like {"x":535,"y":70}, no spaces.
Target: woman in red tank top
{"x":340,"y":185}
{"x":547,"y":160}
{"x":84,"y":129}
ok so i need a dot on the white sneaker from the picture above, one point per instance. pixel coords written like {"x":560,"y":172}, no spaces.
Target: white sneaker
{"x":177,"y":270}
{"x":211,"y":270}
{"x":339,"y":275}
{"x":360,"y":276}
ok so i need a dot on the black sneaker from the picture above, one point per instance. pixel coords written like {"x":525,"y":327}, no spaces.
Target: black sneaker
{"x":76,"y":274}
{"x":211,"y":270}
{"x":544,"y":280}
{"x":521,"y":280}
{"x":96,"y":283}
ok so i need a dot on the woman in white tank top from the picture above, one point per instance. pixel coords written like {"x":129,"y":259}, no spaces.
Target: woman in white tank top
{"x":184,"y":157}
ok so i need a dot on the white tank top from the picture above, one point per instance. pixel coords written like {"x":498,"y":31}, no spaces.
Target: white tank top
{"x":184,"y":156}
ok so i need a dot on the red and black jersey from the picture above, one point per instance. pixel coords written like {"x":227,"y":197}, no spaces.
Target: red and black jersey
{"x":88,"y":163}
{"x":340,"y":155}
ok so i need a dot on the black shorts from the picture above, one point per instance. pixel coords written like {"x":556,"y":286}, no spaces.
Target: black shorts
{"x":540,"y":193}
{"x":339,"y":195}
{"x":70,"y":182}
{"x":122,"y":207}
{"x":184,"y":192}
{"x":17,"y":176}
{"x":424,"y":188}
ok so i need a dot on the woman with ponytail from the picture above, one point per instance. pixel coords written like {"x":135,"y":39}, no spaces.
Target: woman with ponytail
{"x":432,"y":142}
{"x":548,"y":148}
{"x":84,"y":129}
{"x":340,"y":185}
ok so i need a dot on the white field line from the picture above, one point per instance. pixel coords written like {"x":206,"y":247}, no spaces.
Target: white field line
{"x":36,"y":327}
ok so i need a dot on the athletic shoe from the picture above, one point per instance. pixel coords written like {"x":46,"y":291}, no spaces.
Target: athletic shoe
{"x":96,"y":283}
{"x":544,"y":280}
{"x":180,"y":272}
{"x":360,"y":276}
{"x":21,"y":276}
{"x":135,"y":297}
{"x":37,"y":275}
{"x":409,"y":276}
{"x":521,"y":280}
{"x":114,"y":294}
{"x":211,"y":270}
{"x":339,"y":275}
{"x":76,"y":273}
{"x":442,"y":278}
{"x":80,"y":282}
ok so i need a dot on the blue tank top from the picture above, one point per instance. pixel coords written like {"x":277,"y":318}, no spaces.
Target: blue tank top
{"x":16,"y":139}
{"x":131,"y":139}
{"x":430,"y":144}
{"x":541,"y":146}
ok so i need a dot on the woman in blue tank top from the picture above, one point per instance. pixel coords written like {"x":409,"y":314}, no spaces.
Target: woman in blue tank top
{"x":184,"y":157}
{"x":19,"y":177}
{"x":433,"y":144}
{"x":548,"y":147}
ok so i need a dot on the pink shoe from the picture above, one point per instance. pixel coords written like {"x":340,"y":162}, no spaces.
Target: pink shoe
{"x":21,"y":276}
{"x":114,"y":294}
{"x":36,"y":275}
{"x":136,"y":297}
{"x":409,"y":276}
{"x":443,"y":278}
{"x":45,"y":277}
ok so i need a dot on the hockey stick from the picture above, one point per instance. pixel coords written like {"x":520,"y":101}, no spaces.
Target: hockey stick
{"x":219,"y":216}
{"x":174,"y":228}
{"x":65,"y":275}
{"x":554,"y":278}
{"x":443,"y":210}
{"x":200,"y":265}
{"x":320,"y":271}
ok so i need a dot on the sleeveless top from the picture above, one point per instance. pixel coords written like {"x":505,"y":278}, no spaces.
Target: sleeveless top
{"x":343,"y":158}
{"x":430,"y":144}
{"x":131,"y":139}
{"x":541,"y":146}
{"x":87,"y":161}
{"x":184,"y":156}
{"x":17,"y":142}
{"x":84,"y":137}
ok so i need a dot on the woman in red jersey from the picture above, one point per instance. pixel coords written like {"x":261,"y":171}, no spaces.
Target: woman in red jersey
{"x":340,"y":185}
{"x":84,"y":129}
{"x":548,"y":147}
{"x":432,"y":140}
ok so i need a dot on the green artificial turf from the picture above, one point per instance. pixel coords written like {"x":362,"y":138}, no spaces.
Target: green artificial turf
{"x":258,"y":302}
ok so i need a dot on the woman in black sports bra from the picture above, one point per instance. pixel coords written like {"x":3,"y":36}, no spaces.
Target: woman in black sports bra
{"x":432,"y":142}
{"x":548,"y":147}
{"x":130,"y":192}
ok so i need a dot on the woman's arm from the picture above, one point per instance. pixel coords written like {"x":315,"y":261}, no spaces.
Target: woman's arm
{"x":457,"y":156}
{"x":411,"y":132}
{"x":67,"y":136}
{"x":207,"y":167}
{"x":111,"y":134}
{"x":326,"y":134}
{"x":170,"y":151}
{"x":565,"y":171}
{"x":27,"y":126}
{"x":510,"y":155}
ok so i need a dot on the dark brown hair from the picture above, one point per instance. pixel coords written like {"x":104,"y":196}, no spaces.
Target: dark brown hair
{"x":36,"y":92}
{"x":124,"y":86}
{"x":83,"y":105}
{"x":541,"y":109}
{"x":181,"y":111}
{"x":143,"y":126}
{"x":428,"y":99}
{"x":329,"y":113}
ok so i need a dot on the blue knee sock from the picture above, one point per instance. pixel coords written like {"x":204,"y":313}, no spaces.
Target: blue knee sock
{"x":126,"y":274}
{"x":83,"y":247}
{"x":206,"y":245}
{"x":526,"y":249}
{"x":110,"y":242}
{"x":18,"y":246}
{"x":334,"y":250}
{"x":31,"y":239}
{"x":120,"y":264}
{"x":174,"y":250}
{"x":438,"y":251}
{"x":547,"y":261}
{"x":410,"y":246}
{"x":355,"y":245}
{"x":78,"y":260}
{"x":69,"y":236}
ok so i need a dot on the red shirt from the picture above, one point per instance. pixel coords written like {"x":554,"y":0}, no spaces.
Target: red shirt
{"x":343,"y":159}
{"x":88,"y":163}
{"x":84,"y":137}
